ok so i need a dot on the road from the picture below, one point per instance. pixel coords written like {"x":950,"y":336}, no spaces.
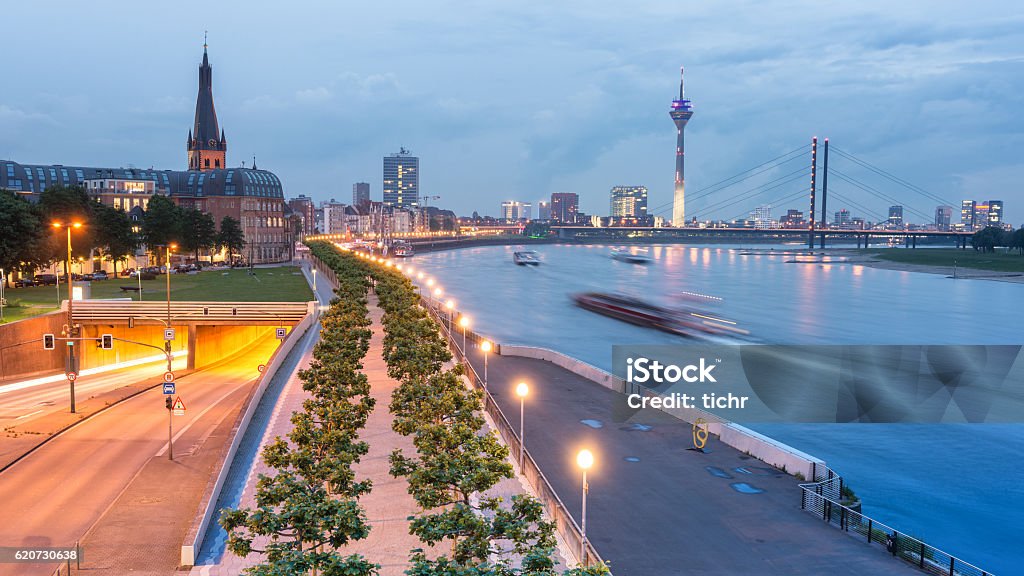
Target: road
{"x":655,"y":507}
{"x":53,"y":496}
{"x":24,"y":402}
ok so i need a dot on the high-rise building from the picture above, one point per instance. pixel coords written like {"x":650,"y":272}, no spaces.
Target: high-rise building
{"x":402,"y":179}
{"x":207,"y":146}
{"x":513,"y":210}
{"x":943,"y":217}
{"x":628,"y":202}
{"x":564,"y":207}
{"x":842,"y":218}
{"x":544,"y":210}
{"x":981,"y":215}
{"x":967,"y":214}
{"x":895,"y":217}
{"x":762,"y":217}
{"x":793,"y":219}
{"x":681,"y":112}
{"x":995,"y":212}
{"x":361,"y":194}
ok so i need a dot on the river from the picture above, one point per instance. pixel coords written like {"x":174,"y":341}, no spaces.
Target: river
{"x":956,"y":487}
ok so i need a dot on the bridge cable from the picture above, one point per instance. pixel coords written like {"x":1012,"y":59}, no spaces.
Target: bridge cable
{"x":877,"y":193}
{"x":892,"y":177}
{"x":754,"y":192}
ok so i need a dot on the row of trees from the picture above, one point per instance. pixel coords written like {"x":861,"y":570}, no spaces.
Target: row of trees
{"x":456,"y":459}
{"x":308,"y":510}
{"x":987,"y":239}
{"x":28,"y":240}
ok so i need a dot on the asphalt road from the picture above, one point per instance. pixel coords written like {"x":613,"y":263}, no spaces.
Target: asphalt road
{"x":654,"y":507}
{"x":53,"y":496}
{"x":19,"y":405}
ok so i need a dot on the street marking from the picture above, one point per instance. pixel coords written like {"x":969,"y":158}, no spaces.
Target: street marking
{"x":29,"y":414}
{"x":198,"y":416}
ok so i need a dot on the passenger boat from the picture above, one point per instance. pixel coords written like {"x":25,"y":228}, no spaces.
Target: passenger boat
{"x":631,"y":257}
{"x":683,"y":321}
{"x":526,"y":258}
{"x":403,"y":250}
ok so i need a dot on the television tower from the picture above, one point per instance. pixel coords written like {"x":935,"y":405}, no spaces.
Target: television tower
{"x":681,"y":112}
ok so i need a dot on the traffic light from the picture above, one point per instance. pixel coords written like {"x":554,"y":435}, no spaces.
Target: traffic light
{"x":49,"y":342}
{"x":107,"y":341}
{"x":168,"y":402}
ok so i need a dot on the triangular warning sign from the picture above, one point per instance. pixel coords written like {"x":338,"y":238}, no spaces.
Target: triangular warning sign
{"x":178,"y":404}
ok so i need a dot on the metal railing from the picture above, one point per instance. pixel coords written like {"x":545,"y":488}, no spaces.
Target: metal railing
{"x":824,"y":497}
{"x":559,"y":514}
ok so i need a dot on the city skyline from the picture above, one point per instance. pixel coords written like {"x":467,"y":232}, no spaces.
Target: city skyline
{"x":322,"y":122}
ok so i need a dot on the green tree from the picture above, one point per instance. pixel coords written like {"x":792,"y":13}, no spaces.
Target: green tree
{"x":114,"y":234}
{"x":21,"y":233}
{"x":1017,"y":240}
{"x":163,"y":222}
{"x":231,"y":237}
{"x":987,"y":239}
{"x":202,"y":231}
{"x":66,"y":204}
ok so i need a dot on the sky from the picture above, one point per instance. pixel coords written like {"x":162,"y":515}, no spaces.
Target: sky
{"x":516,"y":100}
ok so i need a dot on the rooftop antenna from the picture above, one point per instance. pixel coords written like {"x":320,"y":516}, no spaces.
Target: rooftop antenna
{"x":254,"y":162}
{"x":204,"y":39}
{"x":682,"y":89}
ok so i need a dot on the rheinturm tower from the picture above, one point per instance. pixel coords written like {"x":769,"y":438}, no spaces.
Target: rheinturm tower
{"x":681,"y":113}
{"x":207,"y":147}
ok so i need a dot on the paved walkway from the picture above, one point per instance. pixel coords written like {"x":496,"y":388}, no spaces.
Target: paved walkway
{"x":655,"y":507}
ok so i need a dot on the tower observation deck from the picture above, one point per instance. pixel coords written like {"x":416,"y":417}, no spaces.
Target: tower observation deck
{"x":681,"y":112}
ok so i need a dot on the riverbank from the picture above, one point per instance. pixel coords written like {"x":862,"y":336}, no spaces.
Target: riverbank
{"x":960,"y":264}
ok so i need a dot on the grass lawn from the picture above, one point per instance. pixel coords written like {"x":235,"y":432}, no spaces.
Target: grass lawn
{"x":999,"y":261}
{"x":282,"y":284}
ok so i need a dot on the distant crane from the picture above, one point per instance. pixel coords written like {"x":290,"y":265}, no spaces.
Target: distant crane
{"x":427,"y":199}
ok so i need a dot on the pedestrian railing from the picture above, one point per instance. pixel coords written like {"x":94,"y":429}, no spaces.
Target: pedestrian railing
{"x":565,"y":525}
{"x":824,"y":498}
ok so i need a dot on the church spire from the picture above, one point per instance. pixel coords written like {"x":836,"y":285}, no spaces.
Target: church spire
{"x":207,"y":147}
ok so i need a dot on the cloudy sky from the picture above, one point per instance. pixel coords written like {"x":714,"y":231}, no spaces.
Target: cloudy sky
{"x":515,"y":100}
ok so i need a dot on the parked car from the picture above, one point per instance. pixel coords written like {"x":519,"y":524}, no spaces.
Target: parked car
{"x":100,"y":275}
{"x":128,"y":272}
{"x":23,"y":282}
{"x":45,"y":279}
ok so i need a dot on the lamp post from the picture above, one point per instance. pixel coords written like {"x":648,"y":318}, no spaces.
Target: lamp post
{"x":71,"y":332}
{"x":167,"y":343}
{"x":450,"y":305}
{"x":584,"y":460}
{"x":485,"y":346}
{"x":3,"y":303}
{"x":464,"y":324}
{"x":522,"y":390}
{"x":314,"y":280}
{"x":437,"y":296}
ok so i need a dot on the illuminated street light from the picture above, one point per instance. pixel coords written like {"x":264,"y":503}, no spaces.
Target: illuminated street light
{"x":464,"y":324}
{"x":522,"y":390}
{"x":71,"y":332}
{"x":584,"y":460}
{"x":485,"y":347}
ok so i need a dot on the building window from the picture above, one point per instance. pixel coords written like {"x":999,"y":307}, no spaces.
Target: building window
{"x":206,"y":163}
{"x":217,"y":163}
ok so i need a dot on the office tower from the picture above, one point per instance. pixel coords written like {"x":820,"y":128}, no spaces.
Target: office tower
{"x":628,"y":202}
{"x":544,"y":210}
{"x":681,"y":112}
{"x":564,"y":207}
{"x":513,"y":210}
{"x":943,"y":217}
{"x":995,"y":212}
{"x":967,"y":214}
{"x":895,"y":217}
{"x":361,"y":194}
{"x":402,"y":179}
{"x":842,"y":218}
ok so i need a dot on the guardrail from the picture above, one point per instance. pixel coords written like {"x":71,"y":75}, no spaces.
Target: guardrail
{"x":564,"y":522}
{"x":155,"y":313}
{"x":824,"y":499}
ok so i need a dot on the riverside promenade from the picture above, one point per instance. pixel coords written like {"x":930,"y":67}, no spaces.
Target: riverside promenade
{"x":388,"y":506}
{"x":655,"y":507}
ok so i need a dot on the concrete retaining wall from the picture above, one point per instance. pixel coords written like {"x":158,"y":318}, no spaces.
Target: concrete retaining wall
{"x":21,"y":347}
{"x":194,"y":539}
{"x":743,"y":439}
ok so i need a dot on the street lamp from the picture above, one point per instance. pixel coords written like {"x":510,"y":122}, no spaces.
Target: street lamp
{"x":464,"y":324}
{"x":71,"y":332}
{"x":167,"y":343}
{"x":485,"y":346}
{"x":584,"y":460}
{"x":522,"y":390}
{"x":450,"y":305}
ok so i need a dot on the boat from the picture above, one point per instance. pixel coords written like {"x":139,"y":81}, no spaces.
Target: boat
{"x":631,"y":257}
{"x":682,"y":321}
{"x":526,"y":258}
{"x":402,"y":250}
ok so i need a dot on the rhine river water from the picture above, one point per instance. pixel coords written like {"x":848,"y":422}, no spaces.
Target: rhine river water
{"x":955,"y":486}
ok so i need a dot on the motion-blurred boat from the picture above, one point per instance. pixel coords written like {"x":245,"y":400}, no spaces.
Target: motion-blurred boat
{"x":526,"y":258}
{"x":684,"y":321}
{"x":631,"y":257}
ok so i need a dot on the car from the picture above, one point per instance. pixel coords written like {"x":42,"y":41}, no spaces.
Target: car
{"x":45,"y":279}
{"x":23,"y":282}
{"x":100,"y":275}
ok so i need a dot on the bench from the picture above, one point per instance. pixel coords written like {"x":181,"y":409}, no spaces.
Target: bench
{"x":126,"y":289}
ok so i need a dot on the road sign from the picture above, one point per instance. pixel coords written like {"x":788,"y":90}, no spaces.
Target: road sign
{"x":281,"y":333}
{"x":72,"y":376}
{"x":168,"y":387}
{"x":168,"y":376}
{"x":178,"y":407}
{"x":168,"y":333}
{"x":261,"y":368}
